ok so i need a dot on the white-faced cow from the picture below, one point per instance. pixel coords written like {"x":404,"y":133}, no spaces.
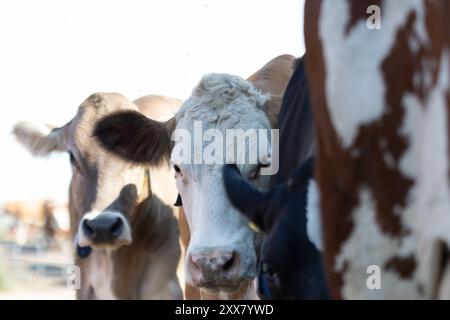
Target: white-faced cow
{"x":381,"y":104}
{"x":222,"y":251}
{"x":126,"y":237}
{"x":290,"y":265}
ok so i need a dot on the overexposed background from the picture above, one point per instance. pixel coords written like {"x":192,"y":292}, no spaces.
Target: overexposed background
{"x":54,"y":54}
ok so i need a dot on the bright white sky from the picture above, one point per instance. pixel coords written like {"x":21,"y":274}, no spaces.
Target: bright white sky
{"x":54,"y":54}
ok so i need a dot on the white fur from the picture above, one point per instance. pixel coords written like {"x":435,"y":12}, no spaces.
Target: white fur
{"x":359,"y":104}
{"x":426,"y":162}
{"x":222,"y":88}
{"x":369,"y":245}
{"x":99,"y":275}
{"x":313,"y":219}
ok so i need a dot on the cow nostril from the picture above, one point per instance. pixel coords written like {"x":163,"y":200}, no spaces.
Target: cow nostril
{"x":116,"y":227}
{"x":229,"y":263}
{"x":87,"y":228}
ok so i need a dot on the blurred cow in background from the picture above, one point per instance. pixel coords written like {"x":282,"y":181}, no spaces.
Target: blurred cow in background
{"x":126,"y":236}
{"x":38,"y":219}
{"x":381,"y":105}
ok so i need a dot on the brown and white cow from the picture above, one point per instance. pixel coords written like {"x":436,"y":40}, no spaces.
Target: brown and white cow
{"x":222,"y":249}
{"x":115,"y":208}
{"x":381,"y":103}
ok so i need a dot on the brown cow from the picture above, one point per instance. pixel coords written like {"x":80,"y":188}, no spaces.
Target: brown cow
{"x":221,"y":248}
{"x":32,"y":215}
{"x":381,"y":103}
{"x":114,"y":207}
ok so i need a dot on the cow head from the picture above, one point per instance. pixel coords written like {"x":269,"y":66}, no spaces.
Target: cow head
{"x":222,"y":252}
{"x":290,"y":265}
{"x":104,"y":190}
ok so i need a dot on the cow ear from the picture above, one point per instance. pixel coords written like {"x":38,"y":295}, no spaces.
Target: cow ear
{"x":244,"y":196}
{"x":40,"y":140}
{"x":136,"y":138}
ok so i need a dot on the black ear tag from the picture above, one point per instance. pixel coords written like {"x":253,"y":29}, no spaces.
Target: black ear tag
{"x":83,"y":252}
{"x":179,"y":202}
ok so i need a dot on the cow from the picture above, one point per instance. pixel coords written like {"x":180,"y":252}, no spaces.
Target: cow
{"x":381,"y":103}
{"x":221,"y":249}
{"x":290,"y":265}
{"x":126,"y":236}
{"x":30,"y":211}
{"x":33,"y":217}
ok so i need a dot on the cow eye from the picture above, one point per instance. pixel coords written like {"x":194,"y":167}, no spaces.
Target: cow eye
{"x":177,"y":169}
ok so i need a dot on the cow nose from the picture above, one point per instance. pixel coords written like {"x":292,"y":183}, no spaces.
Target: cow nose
{"x":214,"y":267}
{"x":103,"y":229}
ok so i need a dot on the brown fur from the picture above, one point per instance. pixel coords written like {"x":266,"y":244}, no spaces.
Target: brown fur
{"x":153,"y":234}
{"x":273,"y":78}
{"x":190,"y":292}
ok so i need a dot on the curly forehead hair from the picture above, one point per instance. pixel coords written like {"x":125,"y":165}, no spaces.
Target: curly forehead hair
{"x":220,"y":97}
